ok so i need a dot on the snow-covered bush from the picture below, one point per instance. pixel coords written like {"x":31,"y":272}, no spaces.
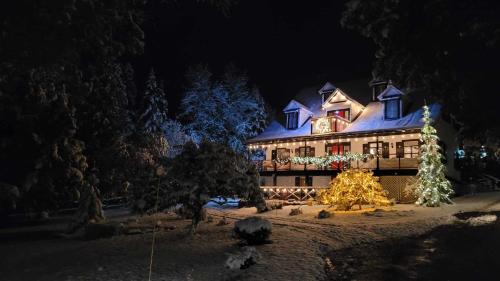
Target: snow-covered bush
{"x":254,"y":230}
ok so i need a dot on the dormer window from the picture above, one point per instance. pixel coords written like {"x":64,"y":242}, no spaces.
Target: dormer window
{"x":391,"y":97}
{"x":292,"y":120}
{"x":392,"y":109}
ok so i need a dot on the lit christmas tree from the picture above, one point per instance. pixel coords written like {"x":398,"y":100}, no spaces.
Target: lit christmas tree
{"x":431,"y":187}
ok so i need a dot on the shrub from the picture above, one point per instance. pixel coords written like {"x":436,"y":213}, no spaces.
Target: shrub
{"x":353,"y":187}
{"x":323,"y":214}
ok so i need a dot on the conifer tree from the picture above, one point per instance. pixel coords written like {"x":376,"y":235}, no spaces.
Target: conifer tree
{"x":155,"y":106}
{"x":431,"y":188}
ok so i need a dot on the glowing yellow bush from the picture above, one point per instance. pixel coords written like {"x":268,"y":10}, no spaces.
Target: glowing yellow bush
{"x":353,"y":187}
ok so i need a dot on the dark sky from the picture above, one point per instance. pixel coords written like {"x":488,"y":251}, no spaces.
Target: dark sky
{"x":283,"y":45}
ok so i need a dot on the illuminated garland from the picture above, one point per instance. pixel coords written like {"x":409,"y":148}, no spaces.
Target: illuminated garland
{"x":324,"y":161}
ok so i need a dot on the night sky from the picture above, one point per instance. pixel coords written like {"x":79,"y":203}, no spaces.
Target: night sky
{"x":282,"y":47}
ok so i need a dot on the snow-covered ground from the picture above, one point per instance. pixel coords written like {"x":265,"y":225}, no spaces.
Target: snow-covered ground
{"x":297,"y":252}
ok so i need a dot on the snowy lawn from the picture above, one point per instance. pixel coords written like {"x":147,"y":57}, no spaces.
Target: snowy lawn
{"x":299,"y":246}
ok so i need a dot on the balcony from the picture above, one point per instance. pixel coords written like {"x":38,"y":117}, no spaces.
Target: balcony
{"x":329,"y":124}
{"x":369,"y":164}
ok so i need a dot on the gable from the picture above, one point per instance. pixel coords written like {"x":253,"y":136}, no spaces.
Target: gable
{"x":327,"y":88}
{"x":295,"y":105}
{"x":389,"y":93}
{"x":338,"y":96}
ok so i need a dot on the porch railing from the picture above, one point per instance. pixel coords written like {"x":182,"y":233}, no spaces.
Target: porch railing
{"x":369,"y":164}
{"x":299,"y":193}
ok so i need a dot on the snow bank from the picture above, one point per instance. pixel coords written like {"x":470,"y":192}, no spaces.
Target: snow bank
{"x":482,"y":220}
{"x":245,"y":258}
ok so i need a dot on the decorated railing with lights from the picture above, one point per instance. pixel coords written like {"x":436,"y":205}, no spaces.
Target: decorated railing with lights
{"x":328,"y":124}
{"x":299,"y":193}
{"x":370,"y":163}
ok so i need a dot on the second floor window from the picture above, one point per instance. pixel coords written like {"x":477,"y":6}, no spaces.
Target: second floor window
{"x":344,"y":113}
{"x":392,"y":109}
{"x":292,"y":120}
{"x":304,"y":151}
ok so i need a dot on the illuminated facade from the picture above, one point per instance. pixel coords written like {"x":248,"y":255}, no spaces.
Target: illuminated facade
{"x":330,"y":121}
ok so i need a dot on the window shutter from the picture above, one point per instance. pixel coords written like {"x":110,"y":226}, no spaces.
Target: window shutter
{"x":385,"y":150}
{"x":365,"y":149}
{"x":309,"y":181}
{"x":400,"y":151}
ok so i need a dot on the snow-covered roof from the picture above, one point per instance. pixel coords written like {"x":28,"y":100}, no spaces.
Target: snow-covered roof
{"x":277,"y":131}
{"x":390,"y":92}
{"x":372,"y":119}
{"x":327,"y":88}
{"x":294,"y":105}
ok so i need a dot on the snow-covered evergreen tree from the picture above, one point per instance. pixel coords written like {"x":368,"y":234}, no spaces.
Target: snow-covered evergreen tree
{"x":203,"y":172}
{"x":203,"y":107}
{"x":431,"y":187}
{"x":227,"y":111}
{"x":176,"y":137}
{"x":154,"y":109}
{"x":246,"y":113}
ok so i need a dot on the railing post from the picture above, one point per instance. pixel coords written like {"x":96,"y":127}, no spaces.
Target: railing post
{"x":378,"y":161}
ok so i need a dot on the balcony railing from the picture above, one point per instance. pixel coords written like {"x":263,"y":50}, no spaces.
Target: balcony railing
{"x":369,"y":164}
{"x":329,"y":124}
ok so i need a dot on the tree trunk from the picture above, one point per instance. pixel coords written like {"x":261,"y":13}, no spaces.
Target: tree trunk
{"x":89,"y":208}
{"x":198,"y":215}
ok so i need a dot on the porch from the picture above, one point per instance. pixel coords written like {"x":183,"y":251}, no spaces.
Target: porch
{"x":396,"y":163}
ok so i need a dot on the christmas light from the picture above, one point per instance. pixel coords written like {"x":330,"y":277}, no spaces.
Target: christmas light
{"x":353,"y":187}
{"x":431,"y":187}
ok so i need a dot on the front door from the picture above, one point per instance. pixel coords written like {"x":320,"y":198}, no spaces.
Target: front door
{"x":338,"y":149}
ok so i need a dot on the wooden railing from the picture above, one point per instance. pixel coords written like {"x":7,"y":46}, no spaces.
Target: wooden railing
{"x":299,"y":193}
{"x":370,"y":164}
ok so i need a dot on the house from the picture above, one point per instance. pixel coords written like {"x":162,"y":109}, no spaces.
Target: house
{"x":383,"y":123}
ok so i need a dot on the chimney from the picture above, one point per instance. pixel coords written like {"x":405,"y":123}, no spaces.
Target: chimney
{"x":378,"y":86}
